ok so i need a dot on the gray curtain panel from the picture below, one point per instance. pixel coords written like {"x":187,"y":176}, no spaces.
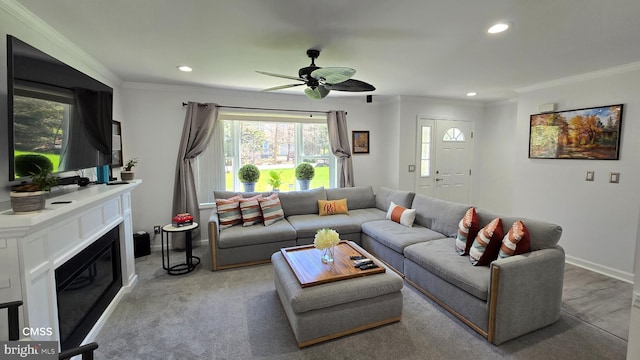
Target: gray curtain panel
{"x":198,"y":127}
{"x":339,"y":140}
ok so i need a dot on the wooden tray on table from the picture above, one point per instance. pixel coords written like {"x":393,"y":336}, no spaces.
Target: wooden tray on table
{"x":306,"y":264}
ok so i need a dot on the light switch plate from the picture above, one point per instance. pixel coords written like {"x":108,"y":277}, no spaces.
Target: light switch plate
{"x":590,"y":175}
{"x":412,"y":168}
{"x":614,"y":177}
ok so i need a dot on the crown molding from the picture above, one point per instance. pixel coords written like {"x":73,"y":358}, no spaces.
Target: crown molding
{"x":617,"y":70}
{"x":36,"y":24}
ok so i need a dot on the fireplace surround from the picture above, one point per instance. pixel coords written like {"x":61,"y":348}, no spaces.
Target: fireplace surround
{"x":34,"y":249}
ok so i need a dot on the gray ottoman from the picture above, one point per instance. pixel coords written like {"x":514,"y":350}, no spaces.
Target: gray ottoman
{"x":327,"y":311}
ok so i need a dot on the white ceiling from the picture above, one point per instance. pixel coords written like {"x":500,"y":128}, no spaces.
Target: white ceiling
{"x":436,"y":48}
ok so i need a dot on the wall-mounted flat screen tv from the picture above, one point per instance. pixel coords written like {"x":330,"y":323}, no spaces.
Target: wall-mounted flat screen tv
{"x":58,"y":117}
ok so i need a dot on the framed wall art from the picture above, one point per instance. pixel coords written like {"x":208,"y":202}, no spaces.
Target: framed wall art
{"x":116,"y":144}
{"x":360,"y":142}
{"x":589,"y":134}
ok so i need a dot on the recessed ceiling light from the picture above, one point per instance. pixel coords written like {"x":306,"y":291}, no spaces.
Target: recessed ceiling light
{"x":473,"y":93}
{"x":185,"y":68}
{"x":498,"y":28}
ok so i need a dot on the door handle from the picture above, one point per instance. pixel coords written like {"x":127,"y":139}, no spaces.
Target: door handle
{"x":439,"y":179}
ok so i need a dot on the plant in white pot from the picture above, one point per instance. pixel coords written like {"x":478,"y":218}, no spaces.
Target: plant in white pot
{"x":304,"y":173}
{"x":275,"y":180}
{"x":248,"y":174}
{"x":127,"y":173}
{"x":30,"y":197}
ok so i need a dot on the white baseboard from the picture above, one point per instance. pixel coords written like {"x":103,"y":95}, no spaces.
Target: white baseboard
{"x":601,"y":269}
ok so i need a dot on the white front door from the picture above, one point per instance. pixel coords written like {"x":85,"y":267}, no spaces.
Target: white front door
{"x":444,"y":171}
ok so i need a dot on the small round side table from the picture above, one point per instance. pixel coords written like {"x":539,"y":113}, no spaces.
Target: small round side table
{"x":191,"y":261}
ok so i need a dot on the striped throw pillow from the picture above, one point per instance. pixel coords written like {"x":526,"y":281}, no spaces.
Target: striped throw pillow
{"x":271,"y":209}
{"x":229,"y":212}
{"x":250,"y":209}
{"x":516,"y":242}
{"x":401,"y":215}
{"x":486,"y":246}
{"x":467,"y":230}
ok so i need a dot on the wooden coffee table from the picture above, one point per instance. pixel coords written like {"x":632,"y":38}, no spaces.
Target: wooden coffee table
{"x":310,"y":270}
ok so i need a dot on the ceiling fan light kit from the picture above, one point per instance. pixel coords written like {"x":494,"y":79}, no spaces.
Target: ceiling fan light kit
{"x":320,"y":81}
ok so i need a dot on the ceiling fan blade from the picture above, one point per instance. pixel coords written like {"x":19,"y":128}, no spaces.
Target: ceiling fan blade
{"x":280,"y":76}
{"x":333,"y":75}
{"x":281,"y":87}
{"x":316,"y":93}
{"x":351,"y":85}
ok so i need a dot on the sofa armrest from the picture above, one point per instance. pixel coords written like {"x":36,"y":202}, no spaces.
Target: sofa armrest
{"x":214,"y":234}
{"x":525,"y":293}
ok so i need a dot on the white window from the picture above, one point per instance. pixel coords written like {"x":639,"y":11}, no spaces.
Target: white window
{"x":425,"y":152}
{"x":453,"y":134}
{"x":272,"y":142}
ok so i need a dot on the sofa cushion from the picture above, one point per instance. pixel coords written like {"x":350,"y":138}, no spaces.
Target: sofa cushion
{"x":516,"y":241}
{"x":332,"y":207}
{"x":271,"y":209}
{"x":436,"y":257}
{"x":360,"y":197}
{"x":250,"y":209}
{"x":229,"y":212}
{"x":401,"y":215}
{"x":370,"y":214}
{"x":253,"y":235}
{"x":467,"y":230}
{"x":438,"y":215}
{"x":486,"y":246}
{"x":307,"y":225}
{"x":396,"y":236}
{"x":384,"y":196}
{"x":543,"y":235}
{"x":302,"y":202}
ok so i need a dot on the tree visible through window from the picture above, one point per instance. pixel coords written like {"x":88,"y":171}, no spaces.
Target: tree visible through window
{"x":277,"y":147}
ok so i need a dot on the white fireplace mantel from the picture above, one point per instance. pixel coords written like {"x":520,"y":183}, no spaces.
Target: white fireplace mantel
{"x":32,"y":246}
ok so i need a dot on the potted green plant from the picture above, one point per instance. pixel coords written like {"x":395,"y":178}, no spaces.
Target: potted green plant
{"x":127,"y":172}
{"x":275,"y":180}
{"x":248,"y":174}
{"x":30,"y":197}
{"x":304,"y":173}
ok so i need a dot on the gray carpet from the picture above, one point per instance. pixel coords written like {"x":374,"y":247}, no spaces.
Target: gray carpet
{"x":236,"y":314}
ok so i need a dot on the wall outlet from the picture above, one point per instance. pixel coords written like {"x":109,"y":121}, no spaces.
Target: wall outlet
{"x":156,"y":229}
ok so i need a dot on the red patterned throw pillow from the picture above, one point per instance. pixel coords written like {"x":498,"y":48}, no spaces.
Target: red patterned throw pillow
{"x":271,"y":209}
{"x":401,"y":215}
{"x":229,"y":212}
{"x":251,"y":212}
{"x":468,"y":228}
{"x":486,"y":246}
{"x":516,"y":242}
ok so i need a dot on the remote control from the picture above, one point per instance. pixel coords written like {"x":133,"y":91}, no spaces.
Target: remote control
{"x":361,"y":262}
{"x":358,"y":257}
{"x":368,"y":266}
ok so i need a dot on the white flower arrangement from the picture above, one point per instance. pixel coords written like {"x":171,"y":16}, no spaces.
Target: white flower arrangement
{"x":326,"y":238}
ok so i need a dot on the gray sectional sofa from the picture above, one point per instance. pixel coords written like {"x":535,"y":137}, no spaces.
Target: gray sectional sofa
{"x":509,"y":298}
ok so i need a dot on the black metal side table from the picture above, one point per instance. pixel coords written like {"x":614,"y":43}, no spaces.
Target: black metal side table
{"x":191,"y":261}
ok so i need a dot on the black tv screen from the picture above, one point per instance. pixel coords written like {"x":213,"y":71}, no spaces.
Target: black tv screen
{"x":59,"y":118}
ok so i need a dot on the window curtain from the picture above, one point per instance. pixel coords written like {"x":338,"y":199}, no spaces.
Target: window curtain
{"x":198,"y":127}
{"x":339,"y":140}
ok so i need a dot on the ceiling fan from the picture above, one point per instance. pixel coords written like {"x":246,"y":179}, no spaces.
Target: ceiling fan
{"x":320,"y":81}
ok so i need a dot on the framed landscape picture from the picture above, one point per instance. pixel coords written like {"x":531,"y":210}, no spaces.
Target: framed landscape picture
{"x":590,"y":133}
{"x":360,"y":142}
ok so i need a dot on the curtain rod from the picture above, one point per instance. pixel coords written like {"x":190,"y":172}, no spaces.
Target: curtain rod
{"x":268,"y":109}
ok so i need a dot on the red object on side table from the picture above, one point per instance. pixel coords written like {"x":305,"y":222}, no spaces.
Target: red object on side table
{"x":182,"y":220}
